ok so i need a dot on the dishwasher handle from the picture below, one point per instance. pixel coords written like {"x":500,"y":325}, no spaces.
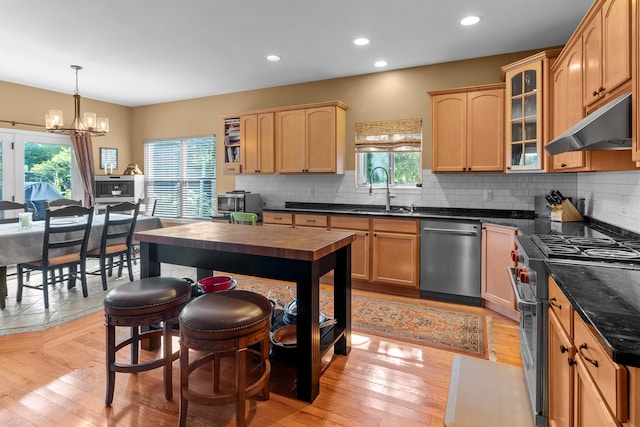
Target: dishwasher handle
{"x":451,"y":231}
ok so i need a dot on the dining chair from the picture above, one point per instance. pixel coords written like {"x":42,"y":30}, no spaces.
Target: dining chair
{"x":66,"y":235}
{"x":59,"y":203}
{"x":117,"y":236}
{"x":6,"y":205}
{"x":147,"y":208}
{"x":243,"y":218}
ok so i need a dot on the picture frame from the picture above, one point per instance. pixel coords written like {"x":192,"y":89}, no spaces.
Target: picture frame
{"x":108,"y":158}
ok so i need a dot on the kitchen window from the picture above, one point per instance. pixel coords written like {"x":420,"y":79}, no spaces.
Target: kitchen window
{"x":180,"y":174}
{"x":395,"y":145}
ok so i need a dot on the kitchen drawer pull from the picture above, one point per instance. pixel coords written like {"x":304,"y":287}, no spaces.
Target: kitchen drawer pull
{"x":588,"y":359}
{"x":563,"y":349}
{"x":554,"y":303}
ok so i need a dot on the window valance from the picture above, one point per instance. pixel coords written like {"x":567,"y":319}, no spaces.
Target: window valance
{"x":389,"y":135}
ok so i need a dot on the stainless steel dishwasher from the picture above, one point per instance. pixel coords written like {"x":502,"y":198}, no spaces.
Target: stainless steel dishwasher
{"x":450,"y":255}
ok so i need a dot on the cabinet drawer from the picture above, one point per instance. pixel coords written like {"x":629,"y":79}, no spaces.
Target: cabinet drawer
{"x":277,"y":218}
{"x":350,"y":222}
{"x":231,"y":168}
{"x":561,"y":306}
{"x":610,"y":377}
{"x":308,"y":220}
{"x":396,"y":225}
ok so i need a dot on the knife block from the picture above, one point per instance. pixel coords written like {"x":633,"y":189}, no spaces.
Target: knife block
{"x":565,"y":212}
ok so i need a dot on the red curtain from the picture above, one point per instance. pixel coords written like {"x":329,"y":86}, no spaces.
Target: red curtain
{"x":84,"y":160}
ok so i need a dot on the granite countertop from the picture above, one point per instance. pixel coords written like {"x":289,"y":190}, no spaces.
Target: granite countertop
{"x":608,"y":299}
{"x":605,"y":296}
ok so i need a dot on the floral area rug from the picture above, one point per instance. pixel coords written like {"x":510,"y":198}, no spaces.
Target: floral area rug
{"x":414,"y":323}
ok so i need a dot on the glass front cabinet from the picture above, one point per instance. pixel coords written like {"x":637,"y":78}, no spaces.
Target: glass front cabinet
{"x":527,"y":112}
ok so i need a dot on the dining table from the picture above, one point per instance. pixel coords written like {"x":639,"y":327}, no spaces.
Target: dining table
{"x":295,"y":255}
{"x":19,"y":245}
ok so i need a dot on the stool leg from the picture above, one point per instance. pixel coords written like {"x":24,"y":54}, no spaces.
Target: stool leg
{"x":265,"y":366}
{"x":216,"y":372}
{"x":241,"y":375}
{"x":135,"y":348}
{"x":184,"y":384}
{"x":111,"y":360}
{"x":168,"y":360}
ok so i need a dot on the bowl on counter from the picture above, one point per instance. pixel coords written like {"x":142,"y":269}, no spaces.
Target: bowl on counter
{"x":216,"y":284}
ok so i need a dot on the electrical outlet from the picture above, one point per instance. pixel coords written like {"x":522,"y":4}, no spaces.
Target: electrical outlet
{"x":488,"y":194}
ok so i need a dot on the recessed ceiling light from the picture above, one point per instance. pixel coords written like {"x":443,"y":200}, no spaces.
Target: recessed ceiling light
{"x":470,"y":20}
{"x":361,"y":41}
{"x":380,"y":63}
{"x":273,"y":58}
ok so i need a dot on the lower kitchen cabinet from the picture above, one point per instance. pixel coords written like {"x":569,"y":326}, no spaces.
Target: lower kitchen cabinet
{"x":395,"y":250}
{"x":310,"y":221}
{"x":497,"y":293}
{"x":360,"y":247}
{"x":586,"y":388}
{"x":277,"y":219}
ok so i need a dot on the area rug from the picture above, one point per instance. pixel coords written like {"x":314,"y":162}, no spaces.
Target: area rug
{"x":414,"y":323}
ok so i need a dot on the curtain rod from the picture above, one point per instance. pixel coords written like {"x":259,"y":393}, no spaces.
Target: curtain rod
{"x":13,"y":123}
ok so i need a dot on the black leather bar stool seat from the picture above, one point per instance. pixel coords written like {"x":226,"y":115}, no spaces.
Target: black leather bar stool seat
{"x":221,"y":324}
{"x":143,"y":302}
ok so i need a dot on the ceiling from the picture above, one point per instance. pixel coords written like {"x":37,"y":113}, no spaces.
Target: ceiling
{"x":150,"y":51}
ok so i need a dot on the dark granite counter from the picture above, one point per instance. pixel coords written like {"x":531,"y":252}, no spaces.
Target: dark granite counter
{"x":608,"y":299}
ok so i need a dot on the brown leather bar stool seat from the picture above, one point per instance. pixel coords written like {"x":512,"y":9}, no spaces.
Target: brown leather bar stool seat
{"x":139,"y":303}
{"x":221,"y":324}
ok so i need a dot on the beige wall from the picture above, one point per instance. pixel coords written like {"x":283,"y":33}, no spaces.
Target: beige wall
{"x":379,"y":96}
{"x":29,"y":105}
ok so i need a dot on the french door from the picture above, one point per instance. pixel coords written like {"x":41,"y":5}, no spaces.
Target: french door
{"x":35,"y":167}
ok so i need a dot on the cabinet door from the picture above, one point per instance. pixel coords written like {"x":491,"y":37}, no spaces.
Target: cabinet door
{"x":497,"y":244}
{"x":485,"y":131}
{"x":449,"y":132}
{"x":266,"y":143}
{"x":560,"y":376}
{"x":249,"y":138}
{"x":320,"y":153}
{"x":589,"y":408}
{"x":395,"y":259}
{"x":574,"y":110}
{"x":592,"y":50}
{"x":616,"y":47}
{"x":291,"y":140}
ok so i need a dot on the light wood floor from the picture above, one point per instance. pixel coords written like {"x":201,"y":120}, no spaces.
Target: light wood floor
{"x":57,"y":378}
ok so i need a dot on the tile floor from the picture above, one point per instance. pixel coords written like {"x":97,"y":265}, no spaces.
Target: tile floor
{"x":64,"y":304}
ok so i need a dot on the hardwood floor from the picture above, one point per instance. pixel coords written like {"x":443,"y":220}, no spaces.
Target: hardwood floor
{"x":56,"y":378}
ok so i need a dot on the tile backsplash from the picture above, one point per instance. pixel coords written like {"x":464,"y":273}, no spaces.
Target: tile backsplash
{"x":612,"y":197}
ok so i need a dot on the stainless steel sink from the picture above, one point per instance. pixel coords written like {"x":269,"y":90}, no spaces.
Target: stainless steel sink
{"x":380,"y":210}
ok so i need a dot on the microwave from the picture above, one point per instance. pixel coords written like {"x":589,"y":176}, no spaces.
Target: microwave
{"x":239,"y":202}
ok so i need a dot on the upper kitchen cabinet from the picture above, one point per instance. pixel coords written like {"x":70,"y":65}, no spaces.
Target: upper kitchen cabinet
{"x":468,"y":129}
{"x":311,"y":139}
{"x":527,"y":110}
{"x":570,"y":78}
{"x":257,"y":133}
{"x":606,"y":45}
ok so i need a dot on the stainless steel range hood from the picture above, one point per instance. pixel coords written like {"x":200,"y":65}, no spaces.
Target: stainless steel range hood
{"x":607,"y":128}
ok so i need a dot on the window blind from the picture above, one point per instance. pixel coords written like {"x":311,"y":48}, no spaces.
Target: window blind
{"x":181,"y":175}
{"x":389,"y":135}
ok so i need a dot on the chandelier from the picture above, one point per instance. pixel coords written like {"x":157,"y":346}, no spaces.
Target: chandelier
{"x":88,"y":124}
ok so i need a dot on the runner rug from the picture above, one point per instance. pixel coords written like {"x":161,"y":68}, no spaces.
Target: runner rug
{"x":414,"y":323}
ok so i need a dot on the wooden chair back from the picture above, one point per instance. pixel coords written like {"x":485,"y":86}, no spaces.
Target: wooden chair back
{"x":148,"y":206}
{"x":7,"y":205}
{"x":59,"y":203}
{"x":119,"y":225}
{"x":66,"y":232}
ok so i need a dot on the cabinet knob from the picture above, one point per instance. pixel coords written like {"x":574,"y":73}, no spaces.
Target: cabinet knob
{"x":601,"y":89}
{"x":595,"y":93}
{"x":563,"y":165}
{"x":571,"y":361}
{"x":563,"y":349}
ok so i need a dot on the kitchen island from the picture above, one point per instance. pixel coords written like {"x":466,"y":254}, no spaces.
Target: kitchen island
{"x":294,"y":255}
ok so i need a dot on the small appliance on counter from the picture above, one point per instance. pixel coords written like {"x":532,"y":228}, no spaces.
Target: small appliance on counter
{"x":562,"y":210}
{"x":119,"y":188}
{"x":239,"y":201}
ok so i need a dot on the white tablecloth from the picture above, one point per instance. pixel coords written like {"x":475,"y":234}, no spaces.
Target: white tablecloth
{"x":19,"y":245}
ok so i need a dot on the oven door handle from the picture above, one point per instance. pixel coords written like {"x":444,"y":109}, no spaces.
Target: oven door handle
{"x":522,"y":304}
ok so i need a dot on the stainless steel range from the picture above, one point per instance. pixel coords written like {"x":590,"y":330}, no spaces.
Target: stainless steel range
{"x":530,"y":282}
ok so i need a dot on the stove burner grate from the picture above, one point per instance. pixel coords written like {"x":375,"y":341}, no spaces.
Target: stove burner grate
{"x":585,"y":248}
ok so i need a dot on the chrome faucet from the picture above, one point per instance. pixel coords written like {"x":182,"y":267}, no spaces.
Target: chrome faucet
{"x":389,"y":195}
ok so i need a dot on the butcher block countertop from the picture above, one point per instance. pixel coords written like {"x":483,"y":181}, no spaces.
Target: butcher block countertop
{"x":290,"y":243}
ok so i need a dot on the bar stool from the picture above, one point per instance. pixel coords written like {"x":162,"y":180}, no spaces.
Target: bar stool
{"x":142,"y":303}
{"x":219,"y":324}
